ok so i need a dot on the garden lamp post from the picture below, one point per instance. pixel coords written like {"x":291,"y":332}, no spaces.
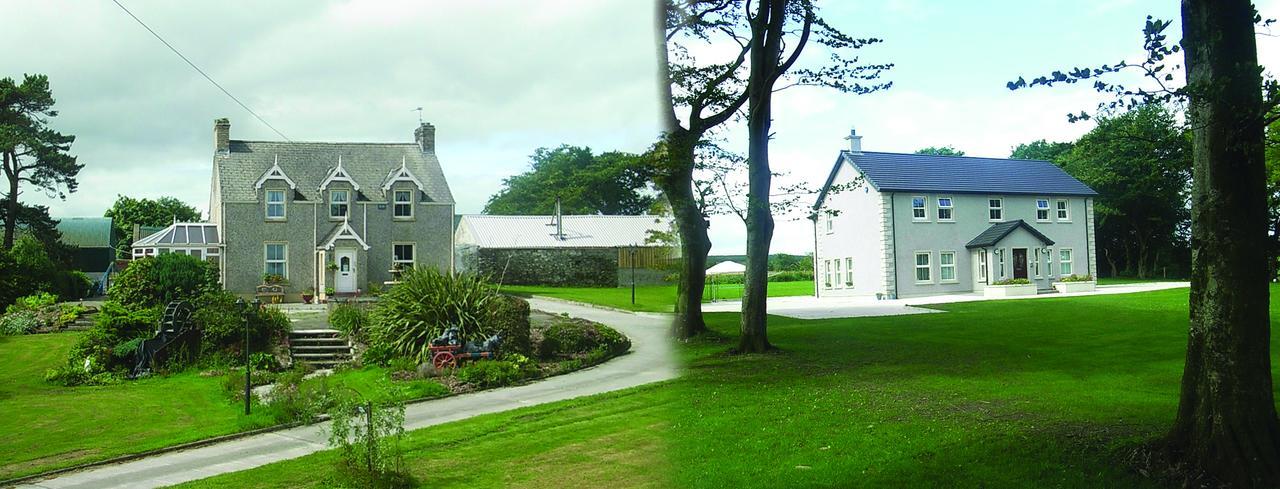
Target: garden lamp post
{"x":633,"y":274}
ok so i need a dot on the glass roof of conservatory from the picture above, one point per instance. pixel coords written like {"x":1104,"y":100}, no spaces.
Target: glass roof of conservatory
{"x":182,"y":234}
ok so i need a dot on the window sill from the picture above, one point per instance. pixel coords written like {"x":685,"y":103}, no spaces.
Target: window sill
{"x":1064,"y":222}
{"x":946,"y":221}
{"x":926,"y":283}
{"x":403,"y":219}
{"x":275,"y":219}
{"x":949,"y":282}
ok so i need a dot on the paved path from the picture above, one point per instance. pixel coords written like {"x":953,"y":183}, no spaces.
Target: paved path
{"x":650,"y":360}
{"x":809,"y":307}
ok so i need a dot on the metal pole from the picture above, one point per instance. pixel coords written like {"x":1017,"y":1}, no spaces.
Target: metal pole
{"x":633,"y":275}
{"x":248,"y":384}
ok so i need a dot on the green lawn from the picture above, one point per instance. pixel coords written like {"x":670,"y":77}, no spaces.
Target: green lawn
{"x":1040,"y":393}
{"x":1135,"y":280}
{"x":45,"y":426}
{"x":652,"y":298}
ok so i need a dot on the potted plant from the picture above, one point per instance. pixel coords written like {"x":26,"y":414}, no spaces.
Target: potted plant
{"x":1076,"y":283}
{"x":308,"y":295}
{"x":333,"y":267}
{"x":1012,"y":287}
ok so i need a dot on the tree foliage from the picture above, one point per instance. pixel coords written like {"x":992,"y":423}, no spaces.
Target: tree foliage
{"x":33,"y":154}
{"x":127,"y":211}
{"x":610,"y":183}
{"x":1041,"y":150}
{"x":940,"y":151}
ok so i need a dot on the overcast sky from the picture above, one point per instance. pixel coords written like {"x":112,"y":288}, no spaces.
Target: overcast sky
{"x":500,"y":79}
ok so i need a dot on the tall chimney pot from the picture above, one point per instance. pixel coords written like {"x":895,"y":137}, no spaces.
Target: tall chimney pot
{"x":425,"y":135}
{"x":222,"y":136}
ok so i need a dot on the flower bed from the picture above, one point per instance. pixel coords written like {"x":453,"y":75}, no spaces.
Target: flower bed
{"x":1010,"y":288}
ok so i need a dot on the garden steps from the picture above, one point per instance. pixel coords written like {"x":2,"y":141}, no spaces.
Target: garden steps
{"x":320,"y":348}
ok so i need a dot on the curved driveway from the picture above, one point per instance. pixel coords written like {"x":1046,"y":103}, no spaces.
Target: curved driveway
{"x":650,"y":360}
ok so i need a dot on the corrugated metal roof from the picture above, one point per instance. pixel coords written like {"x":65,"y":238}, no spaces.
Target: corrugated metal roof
{"x":307,"y":164}
{"x":488,"y":231}
{"x":997,"y":232}
{"x":901,"y":172}
{"x":183,"y":234}
{"x":87,"y":232}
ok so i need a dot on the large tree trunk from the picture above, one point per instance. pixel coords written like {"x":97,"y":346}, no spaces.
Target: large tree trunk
{"x":1226,"y":423}
{"x":677,"y":184}
{"x":11,"y":202}
{"x":1111,"y":261}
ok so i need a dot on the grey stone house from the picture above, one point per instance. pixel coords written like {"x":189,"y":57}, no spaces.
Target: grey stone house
{"x":328,"y":215}
{"x":563,"y":250}
{"x":903,"y":225}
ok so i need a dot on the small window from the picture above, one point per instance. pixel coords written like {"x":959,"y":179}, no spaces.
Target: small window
{"x":403,"y":206}
{"x":1035,"y":262}
{"x":338,"y":202}
{"x":1000,"y":262}
{"x":923,"y":269}
{"x":402,"y":255}
{"x":982,"y":265}
{"x":848,"y":272}
{"x":827,"y":273}
{"x":1049,"y":259}
{"x":946,"y":208}
{"x":995,"y":209}
{"x":276,"y":262}
{"x":1042,"y":210}
{"x":1064,"y":211}
{"x":828,"y":218}
{"x":918,"y":212}
{"x":1064,"y":259}
{"x":947,"y":266}
{"x":275,"y":204}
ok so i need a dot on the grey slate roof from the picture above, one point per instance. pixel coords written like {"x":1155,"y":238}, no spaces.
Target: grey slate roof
{"x":997,"y":232}
{"x":307,"y":164}
{"x":901,"y":172}
{"x":524,"y":232}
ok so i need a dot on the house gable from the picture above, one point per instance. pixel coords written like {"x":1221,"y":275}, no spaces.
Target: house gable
{"x":274,"y":173}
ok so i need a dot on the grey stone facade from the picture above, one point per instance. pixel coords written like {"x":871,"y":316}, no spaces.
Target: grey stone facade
{"x":577,"y":267}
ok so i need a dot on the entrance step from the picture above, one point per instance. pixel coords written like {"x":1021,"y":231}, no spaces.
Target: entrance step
{"x":320,"y":348}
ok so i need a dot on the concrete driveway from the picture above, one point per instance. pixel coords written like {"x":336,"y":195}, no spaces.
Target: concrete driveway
{"x":809,"y":307}
{"x":650,"y":360}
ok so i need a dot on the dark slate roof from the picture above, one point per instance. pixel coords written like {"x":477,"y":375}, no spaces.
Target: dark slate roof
{"x":307,"y":164}
{"x":901,"y":172}
{"x":87,"y":232}
{"x":997,"y":232}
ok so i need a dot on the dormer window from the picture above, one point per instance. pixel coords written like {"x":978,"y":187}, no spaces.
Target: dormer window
{"x":402,"y":207}
{"x":338,"y":203}
{"x":275,"y":204}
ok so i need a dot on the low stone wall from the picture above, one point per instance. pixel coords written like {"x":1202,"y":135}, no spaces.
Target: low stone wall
{"x":576,"y":267}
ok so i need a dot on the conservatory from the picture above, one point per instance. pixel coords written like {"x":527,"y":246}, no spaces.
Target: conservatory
{"x":198,"y":239}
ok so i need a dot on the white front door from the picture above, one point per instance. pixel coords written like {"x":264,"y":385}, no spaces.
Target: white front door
{"x":344,"y":281}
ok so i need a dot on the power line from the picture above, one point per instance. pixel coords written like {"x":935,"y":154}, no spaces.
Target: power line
{"x":202,"y":73}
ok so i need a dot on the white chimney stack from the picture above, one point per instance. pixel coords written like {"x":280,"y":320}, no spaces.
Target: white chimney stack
{"x":855,"y":142}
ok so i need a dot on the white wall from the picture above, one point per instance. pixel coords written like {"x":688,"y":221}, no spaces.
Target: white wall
{"x":856,"y":233}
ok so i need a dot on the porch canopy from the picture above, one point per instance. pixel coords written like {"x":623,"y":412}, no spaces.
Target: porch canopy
{"x":997,"y":232}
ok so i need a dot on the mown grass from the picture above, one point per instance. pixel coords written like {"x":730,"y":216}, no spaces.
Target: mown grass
{"x":1053,"y":392}
{"x":650,"y":298}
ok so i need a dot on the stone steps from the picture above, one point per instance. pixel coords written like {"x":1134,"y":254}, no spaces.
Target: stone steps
{"x":320,"y":348}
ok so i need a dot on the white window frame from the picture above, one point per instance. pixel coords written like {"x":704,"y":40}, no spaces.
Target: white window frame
{"x":1036,"y":262}
{"x":942,"y":265}
{"x":827,"y":274}
{"x":998,"y":208}
{"x":1051,"y":261}
{"x":1000,"y":260}
{"x":346,"y":203}
{"x":1067,"y":266}
{"x":396,"y":203}
{"x":284,"y":209}
{"x":1062,"y":210}
{"x":830,"y":225}
{"x":838,"y":284}
{"x":982,"y":265}
{"x":927,"y":267}
{"x":1046,"y":209}
{"x":950,"y":208}
{"x":284,"y":261}
{"x":413,"y":249}
{"x":848,"y":272}
{"x":924,"y":208}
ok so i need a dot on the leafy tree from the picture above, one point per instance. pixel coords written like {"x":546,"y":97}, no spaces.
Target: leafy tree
{"x":1226,"y":425}
{"x":608,"y":183}
{"x":127,"y":211}
{"x":1041,"y":150}
{"x":35,"y":220}
{"x":940,"y":151}
{"x":1140,"y":164}
{"x":32,"y":153}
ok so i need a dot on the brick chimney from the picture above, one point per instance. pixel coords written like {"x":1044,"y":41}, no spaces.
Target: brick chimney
{"x":425,"y":135}
{"x":222,"y":136}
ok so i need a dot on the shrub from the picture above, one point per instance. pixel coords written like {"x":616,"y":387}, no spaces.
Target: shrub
{"x":490,"y":373}
{"x":509,"y":317}
{"x":18,"y":322}
{"x":792,"y":276}
{"x":423,"y":305}
{"x":1012,"y":281}
{"x":1076,"y":278}
{"x":351,"y":320}
{"x":71,"y":285}
{"x":222,"y":324}
{"x":157,"y":280}
{"x":111,"y":342}
{"x":367,"y":435}
{"x":33,"y":302}
{"x":569,"y":337}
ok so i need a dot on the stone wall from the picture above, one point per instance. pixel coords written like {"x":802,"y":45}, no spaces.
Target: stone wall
{"x":576,"y":267}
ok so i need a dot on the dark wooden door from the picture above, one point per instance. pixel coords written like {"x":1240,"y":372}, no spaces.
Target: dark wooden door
{"x":1019,"y":263}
